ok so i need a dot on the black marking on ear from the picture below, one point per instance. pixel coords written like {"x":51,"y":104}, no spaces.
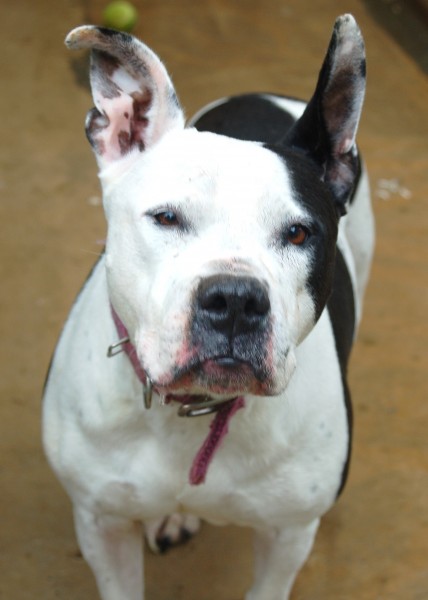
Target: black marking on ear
{"x":127,"y":46}
{"x":139,"y":121}
{"x":94,"y":124}
{"x":341,"y":309}
{"x":250,"y":117}
{"x":103,"y":65}
{"x":114,"y":33}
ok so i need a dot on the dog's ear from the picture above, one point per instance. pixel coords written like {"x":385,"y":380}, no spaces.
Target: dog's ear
{"x":135,"y":101}
{"x":327,"y":129}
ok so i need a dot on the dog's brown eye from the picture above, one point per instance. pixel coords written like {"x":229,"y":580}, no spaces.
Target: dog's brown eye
{"x":168,"y":218}
{"x":297,"y":235}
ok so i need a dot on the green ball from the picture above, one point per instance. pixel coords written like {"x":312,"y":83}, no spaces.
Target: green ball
{"x":120,"y":15}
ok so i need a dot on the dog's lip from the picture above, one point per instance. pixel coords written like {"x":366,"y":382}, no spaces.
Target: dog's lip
{"x":214,"y":377}
{"x":219,"y":364}
{"x":228,"y":362}
{"x":225,"y":363}
{"x":199,"y":364}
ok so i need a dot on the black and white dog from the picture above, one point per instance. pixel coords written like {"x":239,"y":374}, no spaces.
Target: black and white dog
{"x":230,"y":290}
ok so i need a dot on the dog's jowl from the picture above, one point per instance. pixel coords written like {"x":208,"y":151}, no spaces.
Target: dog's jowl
{"x":202,"y":371}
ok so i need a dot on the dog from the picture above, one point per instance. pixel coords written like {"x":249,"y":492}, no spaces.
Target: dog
{"x":201,"y":373}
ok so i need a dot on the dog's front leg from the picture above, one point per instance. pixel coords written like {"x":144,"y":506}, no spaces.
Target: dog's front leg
{"x":113,"y":548}
{"x":279,"y":555}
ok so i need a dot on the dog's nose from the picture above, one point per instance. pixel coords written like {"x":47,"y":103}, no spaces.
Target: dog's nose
{"x":233,"y":305}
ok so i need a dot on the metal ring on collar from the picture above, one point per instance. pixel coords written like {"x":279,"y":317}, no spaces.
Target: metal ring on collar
{"x":147,"y":393}
{"x":205,"y":407}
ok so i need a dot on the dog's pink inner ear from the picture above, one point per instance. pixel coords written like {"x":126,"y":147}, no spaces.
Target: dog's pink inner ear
{"x":118,"y":124}
{"x":135,"y":101}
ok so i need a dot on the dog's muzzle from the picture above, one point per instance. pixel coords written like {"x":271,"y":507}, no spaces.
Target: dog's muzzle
{"x":230,"y":327}
{"x":231,"y":321}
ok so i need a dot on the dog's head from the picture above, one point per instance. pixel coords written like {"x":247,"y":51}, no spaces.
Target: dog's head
{"x":220,"y":252}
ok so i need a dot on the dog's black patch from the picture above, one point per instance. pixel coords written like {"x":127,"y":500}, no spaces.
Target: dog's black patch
{"x":329,"y":281}
{"x":257,"y":118}
{"x":315,"y":197}
{"x":341,"y":309}
{"x":250,"y":117}
{"x":119,"y":36}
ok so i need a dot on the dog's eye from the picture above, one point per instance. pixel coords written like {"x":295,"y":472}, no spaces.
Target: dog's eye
{"x":297,"y":234}
{"x":167,"y":218}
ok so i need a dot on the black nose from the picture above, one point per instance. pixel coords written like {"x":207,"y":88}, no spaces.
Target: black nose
{"x":233,"y":305}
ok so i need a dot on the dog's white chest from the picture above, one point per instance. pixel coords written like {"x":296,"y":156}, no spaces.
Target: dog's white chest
{"x":145,"y":474}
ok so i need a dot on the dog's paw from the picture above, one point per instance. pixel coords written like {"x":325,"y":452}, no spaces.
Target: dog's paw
{"x":162,"y":534}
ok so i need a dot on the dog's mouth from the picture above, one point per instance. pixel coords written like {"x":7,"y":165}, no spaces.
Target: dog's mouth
{"x":213,"y":381}
{"x":207,"y":385}
{"x":223,"y":379}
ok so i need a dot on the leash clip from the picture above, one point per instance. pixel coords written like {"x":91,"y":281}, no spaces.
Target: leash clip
{"x":117,"y":348}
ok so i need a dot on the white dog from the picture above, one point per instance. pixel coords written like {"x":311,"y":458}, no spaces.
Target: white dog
{"x":237,"y":255}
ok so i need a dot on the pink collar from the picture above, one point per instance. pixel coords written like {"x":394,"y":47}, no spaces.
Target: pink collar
{"x":128,"y":347}
{"x":124,"y":344}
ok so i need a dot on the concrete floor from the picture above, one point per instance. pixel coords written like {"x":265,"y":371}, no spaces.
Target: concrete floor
{"x":373,"y":544}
